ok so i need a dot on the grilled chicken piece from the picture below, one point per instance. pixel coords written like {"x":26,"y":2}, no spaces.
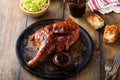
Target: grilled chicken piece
{"x":55,"y":37}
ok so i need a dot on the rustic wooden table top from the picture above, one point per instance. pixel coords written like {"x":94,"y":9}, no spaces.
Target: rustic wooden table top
{"x":13,"y":22}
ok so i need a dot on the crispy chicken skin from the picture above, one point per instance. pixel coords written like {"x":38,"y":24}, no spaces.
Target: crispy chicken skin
{"x":54,"y":37}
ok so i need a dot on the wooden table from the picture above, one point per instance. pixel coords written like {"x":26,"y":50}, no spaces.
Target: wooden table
{"x":13,"y":22}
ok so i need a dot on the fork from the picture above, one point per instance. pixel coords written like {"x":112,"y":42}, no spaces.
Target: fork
{"x":108,"y":66}
{"x":116,"y":64}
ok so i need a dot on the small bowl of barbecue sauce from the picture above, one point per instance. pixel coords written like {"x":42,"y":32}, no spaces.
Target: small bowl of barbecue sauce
{"x":62,"y":60}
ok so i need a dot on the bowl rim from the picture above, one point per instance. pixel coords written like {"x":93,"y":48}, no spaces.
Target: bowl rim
{"x":62,"y":65}
{"x":34,"y":12}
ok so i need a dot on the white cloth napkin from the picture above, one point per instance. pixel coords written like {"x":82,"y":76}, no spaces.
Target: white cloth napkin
{"x":104,"y":6}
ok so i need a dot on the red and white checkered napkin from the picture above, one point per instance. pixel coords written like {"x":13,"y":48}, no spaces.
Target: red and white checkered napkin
{"x":104,"y":6}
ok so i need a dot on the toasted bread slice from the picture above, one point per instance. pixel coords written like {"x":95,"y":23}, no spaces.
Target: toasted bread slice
{"x":110,"y":33}
{"x":95,"y":21}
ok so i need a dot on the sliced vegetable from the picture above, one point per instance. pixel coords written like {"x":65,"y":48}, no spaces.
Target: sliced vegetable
{"x":34,"y":5}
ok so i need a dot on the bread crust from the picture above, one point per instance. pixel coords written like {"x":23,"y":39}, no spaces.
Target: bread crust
{"x":110,"y":33}
{"x":95,"y":21}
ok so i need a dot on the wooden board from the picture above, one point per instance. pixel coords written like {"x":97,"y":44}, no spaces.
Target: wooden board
{"x":13,"y":22}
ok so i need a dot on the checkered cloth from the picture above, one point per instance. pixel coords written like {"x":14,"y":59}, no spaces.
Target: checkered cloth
{"x":104,"y":6}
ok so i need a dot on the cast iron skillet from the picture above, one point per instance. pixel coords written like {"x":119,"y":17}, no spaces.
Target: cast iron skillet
{"x":80,"y":52}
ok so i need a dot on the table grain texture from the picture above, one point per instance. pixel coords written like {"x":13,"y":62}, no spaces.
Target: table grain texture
{"x":13,"y":22}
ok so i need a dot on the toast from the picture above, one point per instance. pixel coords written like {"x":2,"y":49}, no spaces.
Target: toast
{"x":110,"y":33}
{"x":95,"y":21}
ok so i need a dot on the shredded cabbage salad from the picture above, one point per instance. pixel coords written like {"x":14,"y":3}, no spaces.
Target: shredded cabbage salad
{"x":34,"y":5}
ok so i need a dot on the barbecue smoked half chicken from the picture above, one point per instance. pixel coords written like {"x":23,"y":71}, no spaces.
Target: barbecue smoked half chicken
{"x":54,"y":37}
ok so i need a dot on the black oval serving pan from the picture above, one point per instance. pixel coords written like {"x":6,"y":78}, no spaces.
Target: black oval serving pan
{"x":80,"y":52}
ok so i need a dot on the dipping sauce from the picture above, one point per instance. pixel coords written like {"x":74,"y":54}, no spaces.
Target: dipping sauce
{"x":62,"y":60}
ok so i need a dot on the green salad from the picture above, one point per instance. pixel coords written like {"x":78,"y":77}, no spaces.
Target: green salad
{"x":34,"y":5}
